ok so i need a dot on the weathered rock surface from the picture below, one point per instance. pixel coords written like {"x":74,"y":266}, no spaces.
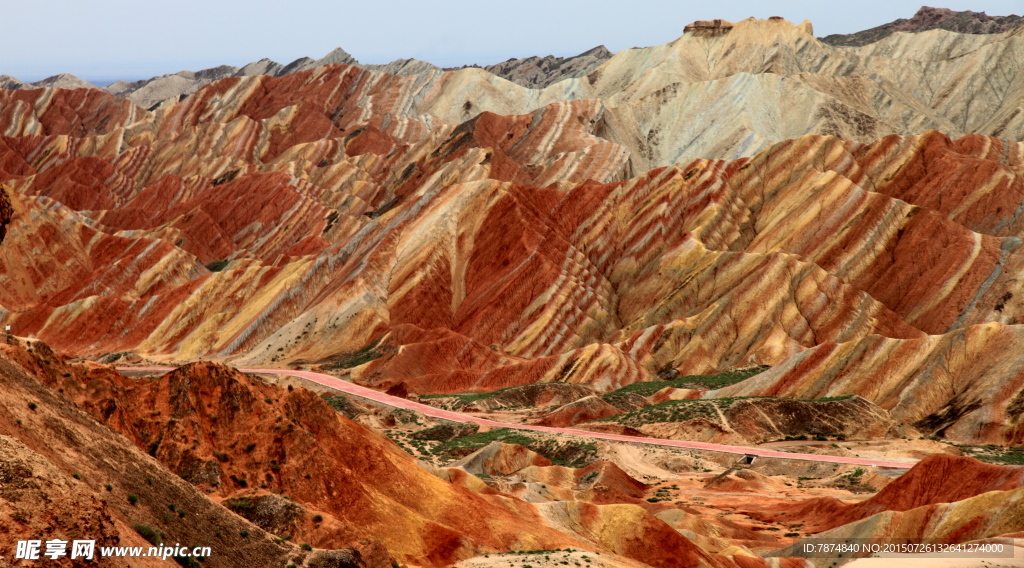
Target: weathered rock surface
{"x":6,"y":212}
{"x":498,"y":458}
{"x":202,"y":420}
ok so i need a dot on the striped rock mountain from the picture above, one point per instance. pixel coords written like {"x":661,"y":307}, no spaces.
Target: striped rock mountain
{"x":472,"y":234}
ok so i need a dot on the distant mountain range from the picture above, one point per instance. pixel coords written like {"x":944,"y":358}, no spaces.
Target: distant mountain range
{"x":927,"y":18}
{"x":534,"y":72}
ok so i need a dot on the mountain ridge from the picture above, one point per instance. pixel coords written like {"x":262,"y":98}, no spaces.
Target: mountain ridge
{"x":928,"y":18}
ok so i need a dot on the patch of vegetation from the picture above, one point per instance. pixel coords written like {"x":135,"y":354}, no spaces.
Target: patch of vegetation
{"x":992,"y":453}
{"x":343,"y":405}
{"x":133,"y":498}
{"x":569,"y":453}
{"x":355,"y":358}
{"x":147,"y":532}
{"x":403,"y":416}
{"x":446,"y":432}
{"x":187,"y":561}
{"x":702,"y":382}
{"x":217,"y":265}
{"x":475,"y":441}
{"x":240,"y":505}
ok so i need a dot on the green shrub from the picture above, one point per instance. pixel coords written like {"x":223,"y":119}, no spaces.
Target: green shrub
{"x":149,"y":533}
{"x":133,"y":498}
{"x":217,"y":265}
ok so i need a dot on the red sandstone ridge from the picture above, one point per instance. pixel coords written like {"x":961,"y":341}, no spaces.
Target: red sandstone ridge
{"x":939,"y":478}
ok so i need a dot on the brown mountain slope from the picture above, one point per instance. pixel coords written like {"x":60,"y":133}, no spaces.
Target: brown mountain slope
{"x":475,"y":238}
{"x":927,"y":18}
{"x":214,"y":427}
{"x":57,"y":461}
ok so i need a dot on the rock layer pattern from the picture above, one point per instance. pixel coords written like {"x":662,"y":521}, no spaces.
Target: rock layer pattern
{"x":450,"y":232}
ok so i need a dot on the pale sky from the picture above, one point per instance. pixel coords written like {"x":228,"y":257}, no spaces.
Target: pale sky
{"x":111,"y":39}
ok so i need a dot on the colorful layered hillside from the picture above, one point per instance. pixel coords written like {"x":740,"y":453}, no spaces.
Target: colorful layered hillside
{"x":451,"y":232}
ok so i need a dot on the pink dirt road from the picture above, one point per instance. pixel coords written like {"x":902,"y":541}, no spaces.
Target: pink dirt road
{"x":354,"y":389}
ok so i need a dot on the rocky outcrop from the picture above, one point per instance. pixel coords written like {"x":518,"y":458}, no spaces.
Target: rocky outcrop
{"x":927,"y":18}
{"x":708,"y":28}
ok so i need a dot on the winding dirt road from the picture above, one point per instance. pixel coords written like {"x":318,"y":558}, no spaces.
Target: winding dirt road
{"x":354,"y":389}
